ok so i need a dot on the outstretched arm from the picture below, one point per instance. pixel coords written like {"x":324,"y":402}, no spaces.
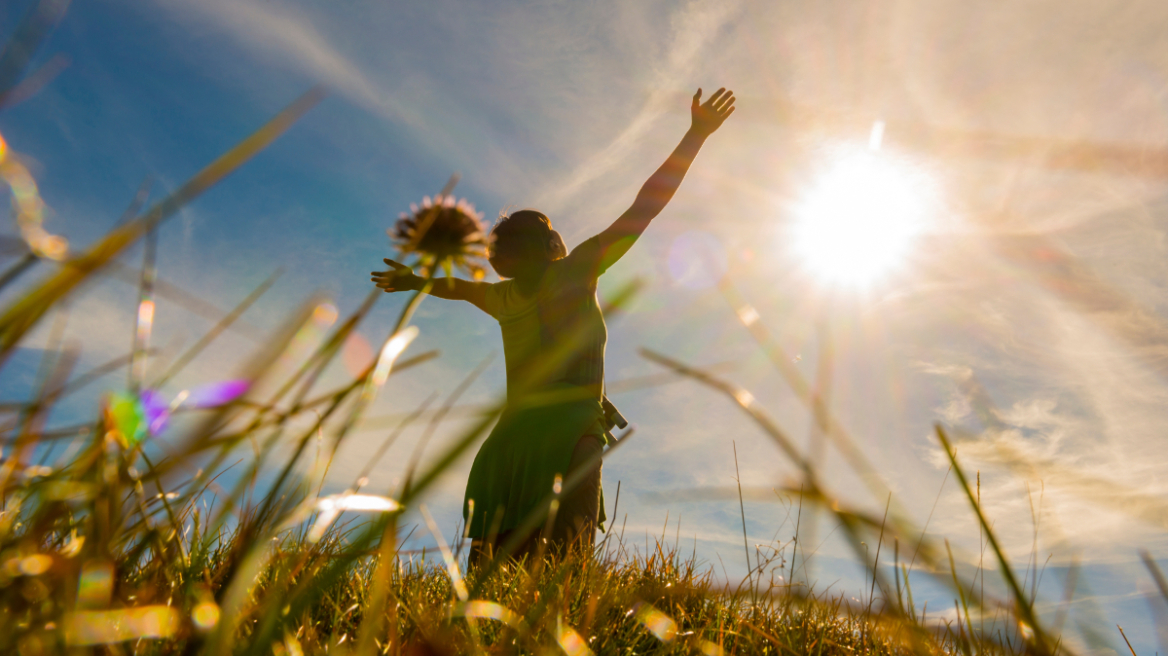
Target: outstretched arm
{"x":659,"y":189}
{"x":401,"y":278}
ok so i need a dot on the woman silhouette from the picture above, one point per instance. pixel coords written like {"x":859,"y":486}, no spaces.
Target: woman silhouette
{"x":557,"y":419}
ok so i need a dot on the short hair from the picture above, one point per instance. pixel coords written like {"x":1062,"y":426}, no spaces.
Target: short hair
{"x":522,"y":237}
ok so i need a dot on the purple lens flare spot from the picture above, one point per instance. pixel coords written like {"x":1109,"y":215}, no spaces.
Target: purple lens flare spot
{"x":216,"y":394}
{"x":156,"y":410}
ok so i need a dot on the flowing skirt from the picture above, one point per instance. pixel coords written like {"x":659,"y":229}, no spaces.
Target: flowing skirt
{"x":516,"y":468}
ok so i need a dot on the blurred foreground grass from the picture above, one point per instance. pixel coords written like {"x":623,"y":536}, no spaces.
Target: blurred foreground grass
{"x":144,"y":537}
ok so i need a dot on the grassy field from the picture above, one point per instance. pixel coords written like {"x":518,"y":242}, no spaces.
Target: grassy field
{"x":120,"y":547}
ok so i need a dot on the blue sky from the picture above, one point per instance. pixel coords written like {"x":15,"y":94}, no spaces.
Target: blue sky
{"x":568,"y":107}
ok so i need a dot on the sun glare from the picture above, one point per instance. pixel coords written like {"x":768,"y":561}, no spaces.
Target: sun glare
{"x":859,"y":219}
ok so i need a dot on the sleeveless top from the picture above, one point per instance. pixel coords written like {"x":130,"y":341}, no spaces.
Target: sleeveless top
{"x":557,"y":334}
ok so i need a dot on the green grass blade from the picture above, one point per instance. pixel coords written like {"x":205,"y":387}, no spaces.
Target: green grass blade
{"x":1022,"y":605}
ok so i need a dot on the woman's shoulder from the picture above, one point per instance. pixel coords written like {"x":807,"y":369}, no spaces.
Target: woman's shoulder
{"x":496,"y":297}
{"x":580,"y":267}
{"x":505,"y":298}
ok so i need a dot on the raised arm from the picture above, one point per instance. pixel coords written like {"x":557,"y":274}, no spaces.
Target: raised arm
{"x":399,"y":278}
{"x":660,"y":187}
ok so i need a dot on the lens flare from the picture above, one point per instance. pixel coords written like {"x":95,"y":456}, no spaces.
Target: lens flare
{"x":99,"y":627}
{"x":1026,"y":630}
{"x":356,"y":354}
{"x":324,"y":315}
{"x":137,"y":417}
{"x":145,"y":320}
{"x":697,"y":260}
{"x":292,"y":645}
{"x":332,"y":506}
{"x":489,"y":610}
{"x":126,"y":415}
{"x":747,"y":315}
{"x":710,"y":648}
{"x":155,"y":410}
{"x":216,"y":394}
{"x":35,"y":565}
{"x":36,"y":471}
{"x":96,"y":584}
{"x":655,"y":622}
{"x":744,"y":398}
{"x":73,"y":546}
{"x":205,"y":615}
{"x":29,"y":208}
{"x":570,"y":641}
{"x":860,"y":219}
{"x":362,"y":502}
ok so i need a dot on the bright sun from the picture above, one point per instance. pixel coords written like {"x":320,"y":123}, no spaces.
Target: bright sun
{"x":860,"y":218}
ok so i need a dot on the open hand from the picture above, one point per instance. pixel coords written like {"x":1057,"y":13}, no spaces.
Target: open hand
{"x":398,"y":278}
{"x":708,"y":116}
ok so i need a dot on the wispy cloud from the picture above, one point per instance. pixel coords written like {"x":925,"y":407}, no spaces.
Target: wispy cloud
{"x":284,"y":35}
{"x":694,"y":29}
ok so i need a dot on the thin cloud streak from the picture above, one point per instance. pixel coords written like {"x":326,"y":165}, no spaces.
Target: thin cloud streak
{"x":696,"y":26}
{"x":286,"y":36}
{"x":283,"y":35}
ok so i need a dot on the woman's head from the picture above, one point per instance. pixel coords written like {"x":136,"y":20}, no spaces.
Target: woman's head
{"x":523,"y":243}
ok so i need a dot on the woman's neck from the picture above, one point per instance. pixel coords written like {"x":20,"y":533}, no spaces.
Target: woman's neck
{"x":528,"y":280}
